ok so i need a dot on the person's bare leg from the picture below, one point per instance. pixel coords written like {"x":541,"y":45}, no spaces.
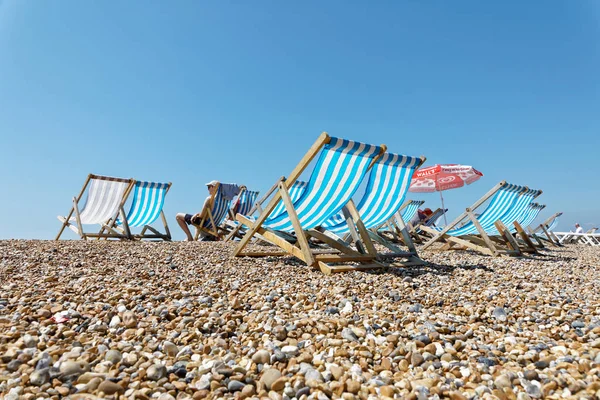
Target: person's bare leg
{"x":184,"y":227}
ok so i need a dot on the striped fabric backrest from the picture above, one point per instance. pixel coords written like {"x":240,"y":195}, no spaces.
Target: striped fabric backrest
{"x":103,"y":200}
{"x":500,"y":203}
{"x":553,"y":224}
{"x":148,"y":202}
{"x":246,"y":201}
{"x":386,"y":189}
{"x":517,"y":211}
{"x":219,"y":209}
{"x":408,"y":213}
{"x":532,"y":213}
{"x":340,"y":168}
{"x":295,"y":191}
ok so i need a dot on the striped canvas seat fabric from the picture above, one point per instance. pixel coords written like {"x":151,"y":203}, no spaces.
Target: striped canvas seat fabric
{"x":246,"y":201}
{"x":386,"y":189}
{"x":219,"y":210}
{"x":295,"y":191}
{"x":516,"y":212}
{"x":340,"y":168}
{"x":148,"y":202}
{"x":500,"y":203}
{"x":409,"y":212}
{"x":553,"y":224}
{"x":531,"y":214}
{"x":103,"y":201}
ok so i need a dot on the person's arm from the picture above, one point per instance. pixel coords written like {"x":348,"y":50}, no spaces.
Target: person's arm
{"x":205,"y":206}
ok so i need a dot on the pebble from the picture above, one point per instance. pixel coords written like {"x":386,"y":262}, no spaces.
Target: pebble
{"x":500,"y":314}
{"x":113,"y":356}
{"x":110,"y":388}
{"x":39,"y":377}
{"x":235,"y":386}
{"x":261,"y":357}
{"x":156,"y":372}
{"x":269,"y":376}
{"x":70,"y":368}
{"x":170,"y":349}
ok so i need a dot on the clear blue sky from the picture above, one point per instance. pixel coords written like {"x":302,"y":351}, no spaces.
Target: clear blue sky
{"x":192,"y":91}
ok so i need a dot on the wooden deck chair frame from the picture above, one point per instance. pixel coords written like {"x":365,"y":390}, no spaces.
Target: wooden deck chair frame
{"x":126,"y":230}
{"x":302,"y":249}
{"x":550,"y":237}
{"x":78,"y":229}
{"x":399,"y":230}
{"x":391,"y":225}
{"x":237,"y":232}
{"x":521,"y":241}
{"x":482,"y":243}
{"x":415,"y":231}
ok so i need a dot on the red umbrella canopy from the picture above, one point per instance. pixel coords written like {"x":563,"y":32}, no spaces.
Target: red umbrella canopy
{"x":443,"y":177}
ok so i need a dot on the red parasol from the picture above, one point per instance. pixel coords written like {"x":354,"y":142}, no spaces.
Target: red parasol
{"x":443,"y":177}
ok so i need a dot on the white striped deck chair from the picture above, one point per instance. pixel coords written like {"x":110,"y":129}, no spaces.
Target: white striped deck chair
{"x":339,"y":170}
{"x":146,"y":207}
{"x":474,"y":233}
{"x":105,"y":198}
{"x":212,"y":217}
{"x":384,"y":194}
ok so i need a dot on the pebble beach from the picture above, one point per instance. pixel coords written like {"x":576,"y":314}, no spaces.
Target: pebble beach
{"x":120,"y":320}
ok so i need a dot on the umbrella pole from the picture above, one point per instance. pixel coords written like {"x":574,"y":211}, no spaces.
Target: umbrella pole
{"x":443,"y":209}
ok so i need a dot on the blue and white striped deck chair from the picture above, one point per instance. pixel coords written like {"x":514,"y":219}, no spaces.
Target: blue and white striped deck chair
{"x":295,"y":191}
{"x":339,"y":170}
{"x":105,"y":199}
{"x":508,"y":224}
{"x":411,"y":209}
{"x":503,"y":198}
{"x":531,"y":214}
{"x":213,"y":216}
{"x":146,"y":207}
{"x":384,"y":194}
{"x":547,"y":228}
{"x":245,"y":205}
{"x":246,"y":201}
{"x":518,"y":211}
{"x":407,"y":212}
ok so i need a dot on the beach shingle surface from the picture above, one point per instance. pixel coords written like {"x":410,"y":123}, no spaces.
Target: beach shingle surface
{"x":184,"y":320}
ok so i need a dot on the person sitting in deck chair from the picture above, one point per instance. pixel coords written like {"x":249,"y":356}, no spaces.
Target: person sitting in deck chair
{"x":421,"y":217}
{"x":229,"y":191}
{"x":578,"y":228}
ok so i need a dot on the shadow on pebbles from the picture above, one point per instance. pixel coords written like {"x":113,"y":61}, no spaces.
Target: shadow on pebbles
{"x":184,"y":320}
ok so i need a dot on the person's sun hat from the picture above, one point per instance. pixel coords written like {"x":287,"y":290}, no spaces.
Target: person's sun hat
{"x":212,"y":183}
